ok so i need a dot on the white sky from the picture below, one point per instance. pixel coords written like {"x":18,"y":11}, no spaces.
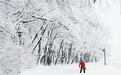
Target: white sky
{"x":111,"y":17}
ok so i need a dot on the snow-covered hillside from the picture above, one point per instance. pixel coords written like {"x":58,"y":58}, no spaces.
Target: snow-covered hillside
{"x":92,"y":69}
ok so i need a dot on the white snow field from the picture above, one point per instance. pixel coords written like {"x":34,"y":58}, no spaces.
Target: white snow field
{"x":73,"y":69}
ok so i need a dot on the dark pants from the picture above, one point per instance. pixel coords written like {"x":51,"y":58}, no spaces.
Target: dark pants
{"x":82,"y":69}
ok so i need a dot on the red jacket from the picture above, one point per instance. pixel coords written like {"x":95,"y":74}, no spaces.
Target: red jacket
{"x":82,"y":64}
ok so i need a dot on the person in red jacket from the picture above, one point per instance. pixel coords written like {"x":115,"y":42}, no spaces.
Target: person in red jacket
{"x":82,"y":66}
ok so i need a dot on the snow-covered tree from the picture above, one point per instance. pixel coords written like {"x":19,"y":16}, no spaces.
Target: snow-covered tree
{"x":50,"y":32}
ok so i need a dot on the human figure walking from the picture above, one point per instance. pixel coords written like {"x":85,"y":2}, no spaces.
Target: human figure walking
{"x":82,"y":66}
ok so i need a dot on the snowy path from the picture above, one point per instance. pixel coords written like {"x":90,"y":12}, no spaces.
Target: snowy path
{"x":92,"y":69}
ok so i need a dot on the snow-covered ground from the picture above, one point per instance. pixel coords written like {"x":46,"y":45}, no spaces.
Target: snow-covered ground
{"x":73,"y":69}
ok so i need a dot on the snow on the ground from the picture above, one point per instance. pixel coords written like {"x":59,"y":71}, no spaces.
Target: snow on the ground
{"x":73,"y":69}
